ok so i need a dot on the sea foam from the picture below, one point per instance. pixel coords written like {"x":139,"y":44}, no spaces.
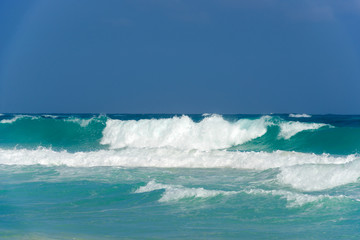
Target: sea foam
{"x":303,"y":171}
{"x":304,"y":115}
{"x":294,"y":199}
{"x":177,"y":192}
{"x":168,"y":158}
{"x":181,"y":132}
{"x":81,"y":122}
{"x":310,"y":177}
{"x":18,"y":117}
{"x":289,"y":129}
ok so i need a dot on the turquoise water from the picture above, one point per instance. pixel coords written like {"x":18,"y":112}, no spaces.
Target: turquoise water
{"x":179,"y":176}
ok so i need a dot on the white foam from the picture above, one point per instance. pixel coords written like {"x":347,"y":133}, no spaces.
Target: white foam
{"x":294,"y":199}
{"x":289,"y":129}
{"x":10,"y":120}
{"x":167,"y":158}
{"x":306,"y":172}
{"x":304,"y":115}
{"x":181,"y":132}
{"x":80,"y":121}
{"x":311,"y":177}
{"x":17,"y":117}
{"x":50,"y":116}
{"x":177,"y":192}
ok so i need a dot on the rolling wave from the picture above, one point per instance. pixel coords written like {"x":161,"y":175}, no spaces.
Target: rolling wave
{"x":208,"y":132}
{"x":182,"y":132}
{"x":178,"y":192}
{"x":308,"y":172}
{"x":168,"y":158}
{"x":17,"y":117}
{"x":289,"y":129}
{"x":304,"y":115}
{"x":251,"y":167}
{"x":310,"y":177}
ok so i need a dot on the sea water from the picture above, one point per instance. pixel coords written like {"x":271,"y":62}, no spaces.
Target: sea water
{"x":206,"y":176}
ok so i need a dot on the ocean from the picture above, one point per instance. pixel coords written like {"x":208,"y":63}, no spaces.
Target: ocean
{"x":179,"y":176}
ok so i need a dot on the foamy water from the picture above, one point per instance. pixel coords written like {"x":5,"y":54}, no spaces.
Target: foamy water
{"x":212,"y":132}
{"x":272,"y":174}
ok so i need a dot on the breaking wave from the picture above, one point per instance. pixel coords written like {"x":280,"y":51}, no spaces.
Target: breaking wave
{"x":311,"y":177}
{"x":81,"y":122}
{"x":179,"y":192}
{"x":17,"y":117}
{"x":168,"y":158}
{"x":304,"y":115}
{"x":289,"y":129}
{"x":308,"y":172}
{"x":182,"y":132}
{"x":205,"y":133}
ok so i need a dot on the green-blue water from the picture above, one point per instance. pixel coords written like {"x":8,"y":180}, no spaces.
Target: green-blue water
{"x":179,"y":177}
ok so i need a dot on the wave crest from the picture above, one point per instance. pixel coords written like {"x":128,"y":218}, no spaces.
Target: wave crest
{"x":289,"y":129}
{"x":307,"y":172}
{"x":304,"y":115}
{"x":183,"y":133}
{"x":309,"y":177}
{"x":168,"y":158}
{"x":177,"y":192}
{"x":18,"y":117}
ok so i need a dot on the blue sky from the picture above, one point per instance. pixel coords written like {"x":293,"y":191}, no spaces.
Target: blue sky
{"x":174,"y":56}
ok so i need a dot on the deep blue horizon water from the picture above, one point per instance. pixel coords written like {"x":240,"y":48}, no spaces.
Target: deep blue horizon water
{"x":175,"y":176}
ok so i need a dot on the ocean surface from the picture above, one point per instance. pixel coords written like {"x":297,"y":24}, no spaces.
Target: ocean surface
{"x":206,"y":176}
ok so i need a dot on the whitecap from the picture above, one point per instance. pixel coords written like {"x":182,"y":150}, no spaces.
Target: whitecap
{"x":304,"y":115}
{"x":212,"y":132}
{"x":167,"y":158}
{"x":177,"y":192}
{"x":289,"y":129}
{"x":50,"y":116}
{"x":82,"y":122}
{"x":17,"y":117}
{"x":317,"y":177}
{"x":294,"y":199}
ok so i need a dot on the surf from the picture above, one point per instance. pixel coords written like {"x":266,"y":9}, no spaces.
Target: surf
{"x":198,"y":132}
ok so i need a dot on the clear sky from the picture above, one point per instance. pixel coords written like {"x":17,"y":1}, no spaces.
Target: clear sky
{"x":176,"y":56}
